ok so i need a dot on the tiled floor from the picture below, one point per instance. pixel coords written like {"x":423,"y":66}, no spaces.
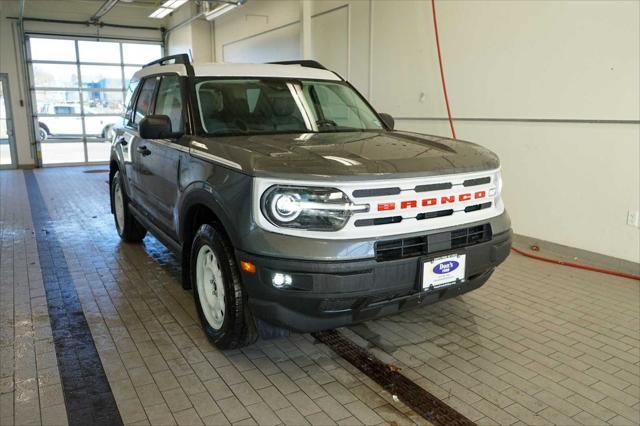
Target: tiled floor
{"x":538,"y":344}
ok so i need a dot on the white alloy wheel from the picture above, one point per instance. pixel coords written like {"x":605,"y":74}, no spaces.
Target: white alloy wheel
{"x":118,"y":202}
{"x":210,"y":286}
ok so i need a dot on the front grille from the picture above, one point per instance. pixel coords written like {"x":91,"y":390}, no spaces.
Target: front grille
{"x":378,"y":221}
{"x":428,"y":244}
{"x":433,"y":215}
{"x":477,"y":207}
{"x":477,"y":181}
{"x":379,"y":192}
{"x":433,"y":187}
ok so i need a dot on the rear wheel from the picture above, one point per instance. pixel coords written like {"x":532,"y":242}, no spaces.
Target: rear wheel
{"x":220,"y":299}
{"x":127,"y":226}
{"x":43,"y":132}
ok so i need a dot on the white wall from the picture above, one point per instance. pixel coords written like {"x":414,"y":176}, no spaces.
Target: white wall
{"x":281,"y":44}
{"x":571,"y":183}
{"x":254,"y":20}
{"x":339,"y":37}
{"x":195,"y":38}
{"x":56,"y":9}
{"x":8,"y":65}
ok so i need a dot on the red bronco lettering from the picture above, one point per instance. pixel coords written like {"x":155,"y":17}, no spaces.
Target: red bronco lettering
{"x":427,"y":202}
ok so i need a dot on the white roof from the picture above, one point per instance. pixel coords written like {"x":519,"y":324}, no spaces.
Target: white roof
{"x":241,"y":70}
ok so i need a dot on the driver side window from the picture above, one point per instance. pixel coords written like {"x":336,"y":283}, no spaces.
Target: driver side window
{"x":169,"y":101}
{"x":144,"y":99}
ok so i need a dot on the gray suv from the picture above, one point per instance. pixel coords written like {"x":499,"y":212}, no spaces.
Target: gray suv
{"x":293,"y":204}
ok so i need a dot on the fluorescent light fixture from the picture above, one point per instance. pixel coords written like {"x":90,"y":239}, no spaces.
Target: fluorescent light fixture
{"x":160,"y":13}
{"x":220,"y":10}
{"x":173,"y":4}
{"x":166,"y":8}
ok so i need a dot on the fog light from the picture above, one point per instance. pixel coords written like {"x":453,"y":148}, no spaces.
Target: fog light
{"x":280,"y":280}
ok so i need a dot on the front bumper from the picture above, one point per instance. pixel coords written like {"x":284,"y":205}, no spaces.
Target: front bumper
{"x":327,"y":295}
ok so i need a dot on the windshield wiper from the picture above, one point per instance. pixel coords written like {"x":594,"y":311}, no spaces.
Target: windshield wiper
{"x":326,"y":122}
{"x":342,"y":129}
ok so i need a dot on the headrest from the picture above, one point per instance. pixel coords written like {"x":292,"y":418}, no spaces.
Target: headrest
{"x":284,"y":106}
{"x":210,"y":101}
{"x":240,"y":107}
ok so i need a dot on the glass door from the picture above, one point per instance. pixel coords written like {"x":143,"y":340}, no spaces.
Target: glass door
{"x":7,"y":140}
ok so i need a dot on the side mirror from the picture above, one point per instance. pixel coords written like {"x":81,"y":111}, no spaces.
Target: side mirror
{"x":388,"y":120}
{"x":156,"y":127}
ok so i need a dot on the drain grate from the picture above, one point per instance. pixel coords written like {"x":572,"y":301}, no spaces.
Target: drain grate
{"x":387,"y":376}
{"x":96,"y":171}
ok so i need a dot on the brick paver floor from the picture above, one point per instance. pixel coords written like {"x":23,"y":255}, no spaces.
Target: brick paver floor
{"x":538,"y":344}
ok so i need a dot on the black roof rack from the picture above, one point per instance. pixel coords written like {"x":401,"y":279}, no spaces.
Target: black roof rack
{"x":181,"y":58}
{"x":304,"y":62}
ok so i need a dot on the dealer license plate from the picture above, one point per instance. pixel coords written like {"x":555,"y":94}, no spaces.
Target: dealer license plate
{"x":443,"y":271}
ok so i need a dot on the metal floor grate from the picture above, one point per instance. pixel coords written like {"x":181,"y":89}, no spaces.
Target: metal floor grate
{"x":387,"y":376}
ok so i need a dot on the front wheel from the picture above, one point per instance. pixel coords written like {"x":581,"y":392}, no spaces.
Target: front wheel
{"x":220,"y":299}
{"x":127,"y":226}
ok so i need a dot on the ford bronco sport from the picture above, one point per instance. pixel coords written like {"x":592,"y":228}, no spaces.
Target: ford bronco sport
{"x":293,"y":204}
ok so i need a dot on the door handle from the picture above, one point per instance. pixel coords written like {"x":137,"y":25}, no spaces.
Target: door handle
{"x":122,"y":142}
{"x":143,"y":150}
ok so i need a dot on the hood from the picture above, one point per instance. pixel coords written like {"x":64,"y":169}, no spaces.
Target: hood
{"x":350,"y":154}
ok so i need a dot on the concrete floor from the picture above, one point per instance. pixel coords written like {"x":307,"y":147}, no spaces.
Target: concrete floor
{"x":538,"y":344}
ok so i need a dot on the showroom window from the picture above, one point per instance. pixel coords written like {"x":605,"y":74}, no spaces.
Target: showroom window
{"x":79,"y":89}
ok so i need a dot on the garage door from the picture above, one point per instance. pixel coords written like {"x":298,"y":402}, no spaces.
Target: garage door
{"x":78,"y":88}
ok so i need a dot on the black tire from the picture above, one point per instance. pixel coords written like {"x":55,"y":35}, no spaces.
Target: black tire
{"x":130,"y":229}
{"x":238,"y":327}
{"x":43,"y":131}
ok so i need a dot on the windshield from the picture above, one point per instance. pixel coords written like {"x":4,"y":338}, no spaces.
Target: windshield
{"x":253,"y":106}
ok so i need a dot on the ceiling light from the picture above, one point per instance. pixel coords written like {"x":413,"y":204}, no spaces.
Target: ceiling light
{"x":160,"y":13}
{"x":166,"y":8}
{"x":173,"y":4}
{"x":222,"y":9}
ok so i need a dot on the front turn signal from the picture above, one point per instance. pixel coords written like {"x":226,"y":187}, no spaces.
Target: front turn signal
{"x":248,"y":267}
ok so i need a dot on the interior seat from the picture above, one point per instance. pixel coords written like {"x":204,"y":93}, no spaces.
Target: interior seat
{"x":211,"y":108}
{"x":286,"y":114}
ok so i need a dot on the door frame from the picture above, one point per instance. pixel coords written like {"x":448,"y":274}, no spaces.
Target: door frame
{"x":11,"y":132}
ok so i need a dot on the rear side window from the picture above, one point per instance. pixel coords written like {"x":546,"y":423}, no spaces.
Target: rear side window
{"x":144,"y":100}
{"x":169,"y":102}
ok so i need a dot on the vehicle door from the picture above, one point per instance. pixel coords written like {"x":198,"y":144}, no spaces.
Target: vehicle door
{"x":134,"y":148}
{"x":161,"y":162}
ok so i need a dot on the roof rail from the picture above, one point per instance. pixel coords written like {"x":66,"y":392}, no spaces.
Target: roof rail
{"x":304,"y":63}
{"x":181,"y":58}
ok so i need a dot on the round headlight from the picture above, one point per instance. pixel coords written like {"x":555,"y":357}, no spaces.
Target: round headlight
{"x":313,"y":208}
{"x":285,"y":207}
